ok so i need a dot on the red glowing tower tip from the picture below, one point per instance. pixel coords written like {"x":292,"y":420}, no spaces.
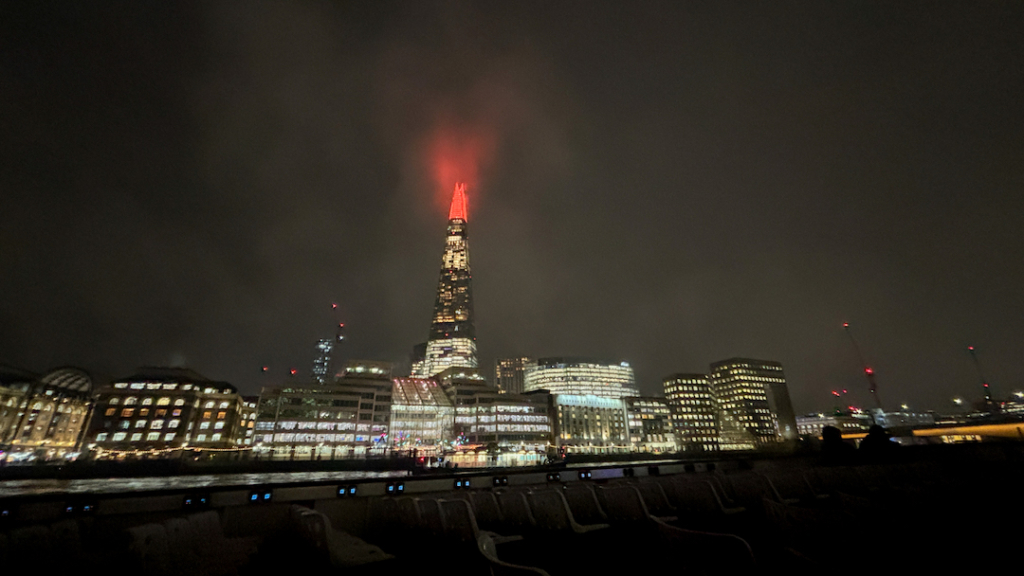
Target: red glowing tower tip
{"x":458,"y":209}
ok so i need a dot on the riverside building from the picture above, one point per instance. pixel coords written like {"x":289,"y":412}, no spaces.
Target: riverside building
{"x":694,"y":411}
{"x":753,"y":394}
{"x":162,"y":409}
{"x":495,"y":425}
{"x":43,"y":416}
{"x":422,"y":417}
{"x":346,"y":418}
{"x":650,"y":424}
{"x":581,"y":377}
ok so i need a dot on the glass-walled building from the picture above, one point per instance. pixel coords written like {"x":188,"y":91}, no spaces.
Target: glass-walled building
{"x":422,"y":417}
{"x":581,"y":377}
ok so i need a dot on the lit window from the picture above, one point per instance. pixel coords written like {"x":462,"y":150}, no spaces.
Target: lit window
{"x":143,"y":411}
{"x":207,"y":414}
{"x":113,"y":400}
{"x":130,"y":400}
{"x":176,"y":412}
{"x":209,"y":404}
{"x":127,"y":412}
{"x":204,"y":426}
{"x":119,"y":436}
{"x":163,"y":401}
{"x":152,"y":436}
{"x":101,"y":437}
{"x":147,"y":401}
{"x":201,"y":438}
{"x":179,"y":402}
{"x":136,"y":437}
{"x":157,"y":424}
{"x":223,"y":405}
{"x":173,"y":424}
{"x":168,"y":437}
{"x":218,"y":426}
{"x":110,"y":411}
{"x":215,"y":437}
{"x":221,"y":415}
{"x":140,"y":423}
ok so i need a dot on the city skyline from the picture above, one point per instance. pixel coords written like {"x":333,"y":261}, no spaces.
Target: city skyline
{"x":666,"y":186}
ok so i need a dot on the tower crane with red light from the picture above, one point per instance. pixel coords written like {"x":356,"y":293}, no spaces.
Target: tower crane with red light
{"x":984,"y":383}
{"x":869,"y":372}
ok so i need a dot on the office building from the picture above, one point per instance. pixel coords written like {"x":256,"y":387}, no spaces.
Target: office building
{"x":452,"y":339}
{"x":499,"y":423}
{"x":650,"y":424}
{"x":694,"y":411}
{"x":590,"y":424}
{"x":581,"y":377}
{"x":510,"y":374}
{"x":162,"y":409}
{"x":345,"y":418}
{"x":753,"y":393}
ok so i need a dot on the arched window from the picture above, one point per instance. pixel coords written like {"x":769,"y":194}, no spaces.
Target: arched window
{"x":179,"y":402}
{"x":131,"y":400}
{"x":114,"y":401}
{"x":163,"y":401}
{"x":37,"y":406}
{"x":209,"y":404}
{"x":147,"y":401}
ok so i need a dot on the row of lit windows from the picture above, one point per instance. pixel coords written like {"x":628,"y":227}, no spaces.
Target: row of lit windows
{"x":159,"y":386}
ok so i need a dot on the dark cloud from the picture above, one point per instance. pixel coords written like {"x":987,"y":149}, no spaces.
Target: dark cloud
{"x":669,"y":184}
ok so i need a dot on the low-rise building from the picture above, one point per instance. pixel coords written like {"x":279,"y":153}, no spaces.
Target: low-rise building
{"x":812,"y":424}
{"x":43,"y":416}
{"x":163,"y":409}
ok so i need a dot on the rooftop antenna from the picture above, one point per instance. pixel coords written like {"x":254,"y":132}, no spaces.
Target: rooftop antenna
{"x":869,"y":372}
{"x":981,"y":375}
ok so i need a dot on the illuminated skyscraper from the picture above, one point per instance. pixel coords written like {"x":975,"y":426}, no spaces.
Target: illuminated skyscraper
{"x":452,"y":340}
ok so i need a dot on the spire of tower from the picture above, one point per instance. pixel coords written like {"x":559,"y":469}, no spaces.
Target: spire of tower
{"x":458,"y":209}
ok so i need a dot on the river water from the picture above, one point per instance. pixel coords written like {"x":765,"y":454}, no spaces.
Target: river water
{"x":150,"y":483}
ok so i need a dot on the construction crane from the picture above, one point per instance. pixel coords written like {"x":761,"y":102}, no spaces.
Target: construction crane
{"x":981,"y":375}
{"x":869,"y":372}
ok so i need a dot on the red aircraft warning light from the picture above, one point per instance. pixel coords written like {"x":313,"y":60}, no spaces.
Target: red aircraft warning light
{"x":868,"y":370}
{"x":265,"y":368}
{"x":293,"y":371}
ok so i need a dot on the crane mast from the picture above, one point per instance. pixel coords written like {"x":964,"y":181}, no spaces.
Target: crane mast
{"x":869,"y":372}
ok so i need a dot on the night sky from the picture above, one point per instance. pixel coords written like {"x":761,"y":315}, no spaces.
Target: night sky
{"x":667,"y":184}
